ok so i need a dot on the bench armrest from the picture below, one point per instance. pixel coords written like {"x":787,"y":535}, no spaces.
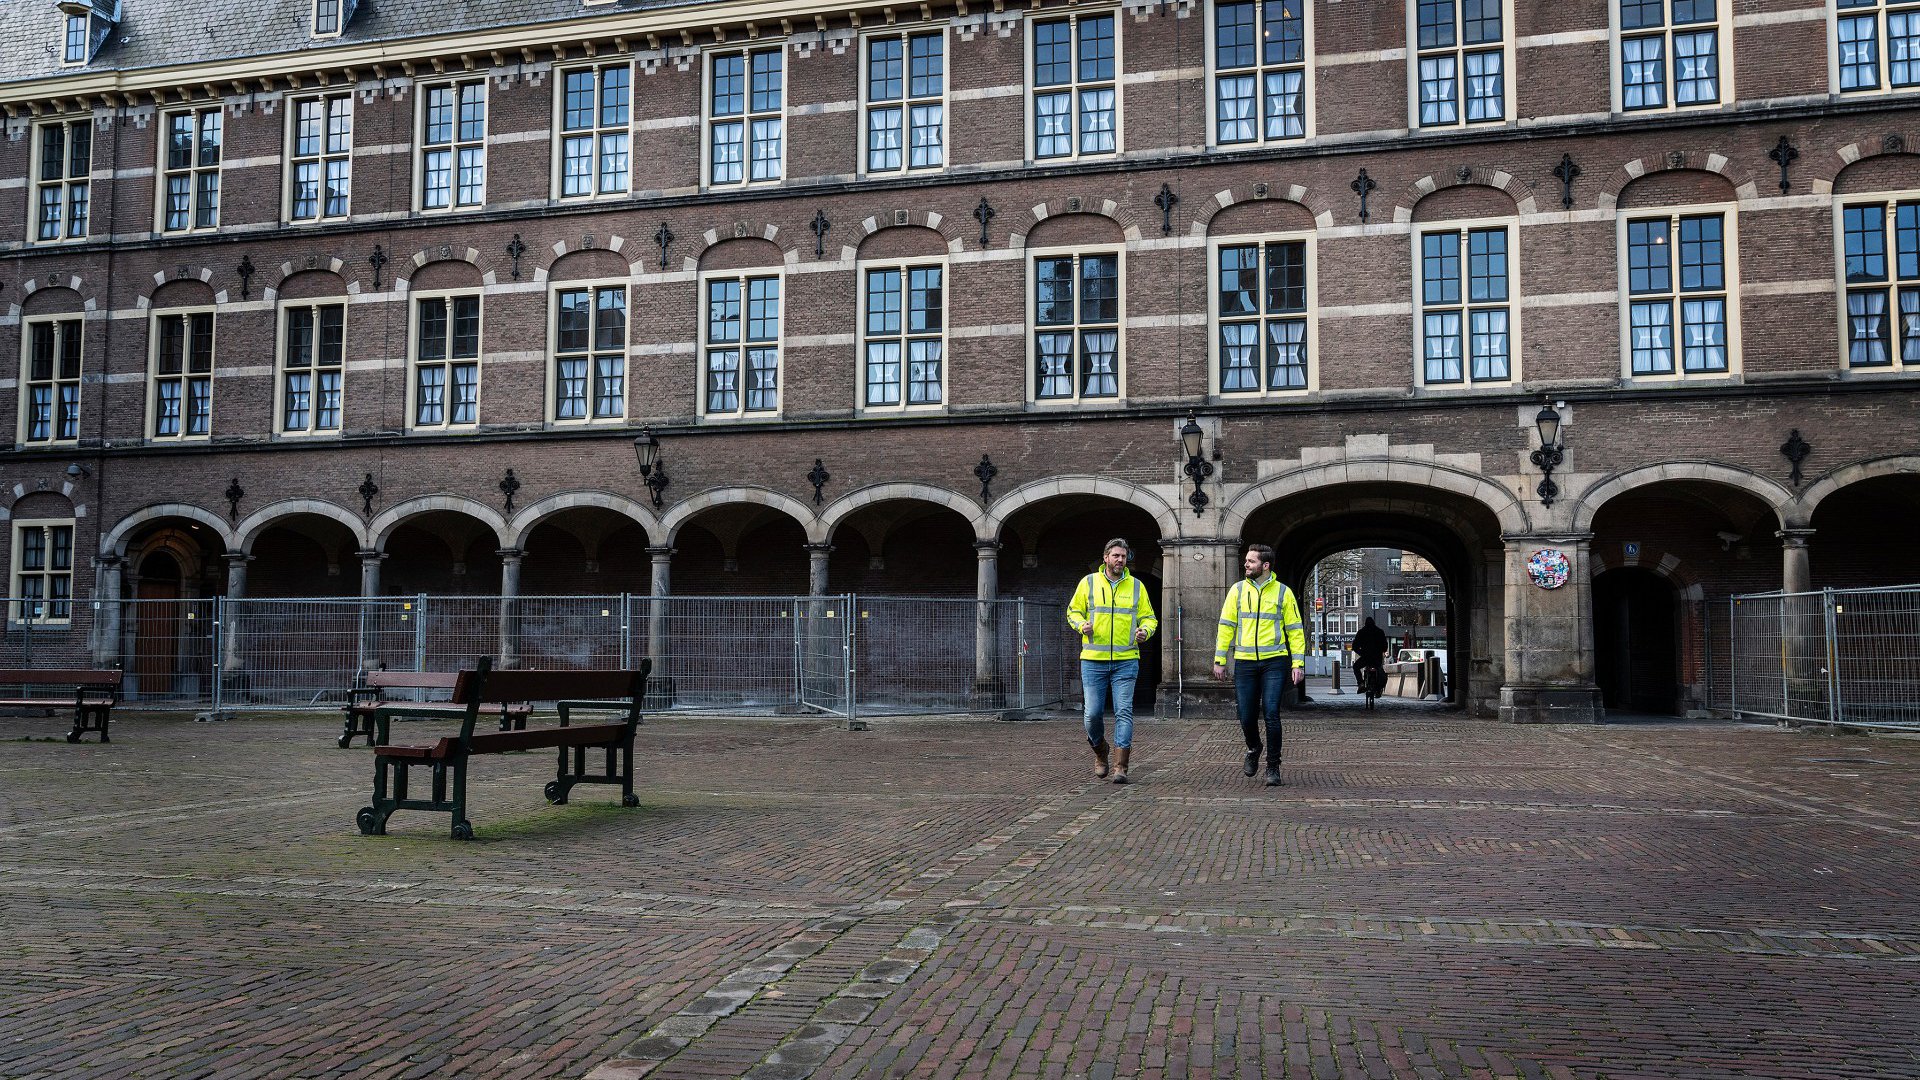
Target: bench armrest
{"x":566,"y":708}
{"x":385,"y":713}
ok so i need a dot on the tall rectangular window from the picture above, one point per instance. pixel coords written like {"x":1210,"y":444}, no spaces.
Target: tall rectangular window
{"x":76,"y":33}
{"x":50,"y":381}
{"x":1877,"y":44}
{"x":190,"y":170}
{"x":1882,"y":284}
{"x":904,"y":342}
{"x":446,"y":361}
{"x":181,"y":394}
{"x":595,"y":143}
{"x":1076,"y":318}
{"x":321,"y":162}
{"x":906,"y":102}
{"x":1460,"y":62}
{"x":312,"y":367}
{"x":746,"y":110}
{"x":1669,"y":53}
{"x":1259,"y":71}
{"x":1677,"y":295}
{"x":62,"y":180}
{"x":453,"y":145}
{"x":590,"y":353}
{"x":1261,"y":305}
{"x":742,"y":345}
{"x":42,"y":572}
{"x":1076,"y":109}
{"x":1465,"y":313}
{"x":326,"y":17}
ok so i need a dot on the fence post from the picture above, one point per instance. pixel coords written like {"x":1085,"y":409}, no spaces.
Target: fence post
{"x":626,"y":631}
{"x":847,"y":643}
{"x":1020,"y":634}
{"x":1834,"y":709}
{"x":219,"y":652}
{"x":1733,"y":659}
{"x":799,"y":667}
{"x":420,"y":632}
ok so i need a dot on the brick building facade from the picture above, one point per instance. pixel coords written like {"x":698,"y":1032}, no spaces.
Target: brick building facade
{"x":282,"y":303}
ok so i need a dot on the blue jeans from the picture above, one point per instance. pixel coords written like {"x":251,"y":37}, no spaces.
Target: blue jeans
{"x":1259,"y":688}
{"x":1099,"y":678}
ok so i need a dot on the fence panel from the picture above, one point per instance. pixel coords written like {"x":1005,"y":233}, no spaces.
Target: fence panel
{"x":1839,"y":656}
{"x":291,"y":653}
{"x":945,"y":654}
{"x":1876,"y":650}
{"x":731,"y":653}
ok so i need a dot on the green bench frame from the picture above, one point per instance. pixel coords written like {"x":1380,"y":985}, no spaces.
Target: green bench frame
{"x":92,"y":695}
{"x":370,"y":694}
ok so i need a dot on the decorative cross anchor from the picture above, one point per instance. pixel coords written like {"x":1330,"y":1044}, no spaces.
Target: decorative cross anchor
{"x":818,"y":478}
{"x":379,"y":261}
{"x":1568,"y":172}
{"x":1783,"y":155}
{"x":368,"y":489}
{"x":1362,"y":186}
{"x":985,"y":472}
{"x":820,"y":225}
{"x":664,"y":237}
{"x":234,"y":494}
{"x":246,"y":272}
{"x":983,"y":214}
{"x":1166,"y":201}
{"x":1796,"y":450}
{"x":515,"y":249}
{"x":509,"y":484}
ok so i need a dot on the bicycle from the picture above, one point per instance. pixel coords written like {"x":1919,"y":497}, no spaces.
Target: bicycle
{"x":1372,"y":682}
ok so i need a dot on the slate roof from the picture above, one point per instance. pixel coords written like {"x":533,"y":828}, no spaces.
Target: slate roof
{"x":157,"y":33}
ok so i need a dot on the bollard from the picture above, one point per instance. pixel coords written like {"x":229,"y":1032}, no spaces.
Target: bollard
{"x":1337,"y":664}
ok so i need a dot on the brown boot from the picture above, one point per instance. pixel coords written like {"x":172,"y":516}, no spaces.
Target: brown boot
{"x":1120,"y":765}
{"x":1100,"y":760}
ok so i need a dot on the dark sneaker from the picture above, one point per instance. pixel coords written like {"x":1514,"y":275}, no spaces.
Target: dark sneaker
{"x":1273,"y":776}
{"x":1252,"y":764}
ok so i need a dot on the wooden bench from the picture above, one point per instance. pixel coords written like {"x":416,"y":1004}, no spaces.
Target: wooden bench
{"x":476,"y":692}
{"x":375,"y":690}
{"x":90,"y":693}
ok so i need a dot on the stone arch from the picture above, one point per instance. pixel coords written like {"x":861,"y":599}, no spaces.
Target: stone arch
{"x":739,"y":230}
{"x":1427,"y":474}
{"x":1164,"y":516}
{"x":1685,"y":580}
{"x":880,"y":222}
{"x":800,"y":512}
{"x":636,"y":263}
{"x":1258,"y":192}
{"x":403,"y":274}
{"x":267,"y":516}
{"x":179,"y":273}
{"x":1770,"y":493}
{"x":1835,"y":479}
{"x":524,"y":522}
{"x":89,"y":302}
{"x":1744,"y":186}
{"x":336,"y":267}
{"x":114,"y":541}
{"x":1825,"y":171}
{"x":1469,"y":176}
{"x":382,"y":526}
{"x":1128,"y":221}
{"x":843,"y":507}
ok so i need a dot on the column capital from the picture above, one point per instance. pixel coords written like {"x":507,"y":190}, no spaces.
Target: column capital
{"x":1795,"y":538}
{"x":370,"y":555}
{"x":1548,"y":538}
{"x":237,"y":558}
{"x":109,"y":560}
{"x":661,"y":552}
{"x":818,"y":549}
{"x":987,"y":549}
{"x":1199,"y":541}
{"x":511,"y":554}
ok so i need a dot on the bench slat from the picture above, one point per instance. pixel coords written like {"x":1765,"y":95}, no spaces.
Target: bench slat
{"x":551,"y":685}
{"x":58,"y":677}
{"x":497,"y":742}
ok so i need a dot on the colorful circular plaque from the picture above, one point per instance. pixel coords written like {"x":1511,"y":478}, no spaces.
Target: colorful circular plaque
{"x":1548,"y":568}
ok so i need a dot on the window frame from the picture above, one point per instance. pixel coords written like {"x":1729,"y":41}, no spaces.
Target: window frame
{"x":25,"y":383}
{"x":1310,"y":316}
{"x":597,"y":132}
{"x":186,"y":374}
{"x":339,"y":19}
{"x":1074,"y":87}
{"x":704,"y":344}
{"x":747,"y":116}
{"x":907,"y":101}
{"x":1260,"y":69}
{"x":193,"y":171}
{"x":16,"y":614}
{"x":415,"y":361}
{"x":1722,"y":26}
{"x":1459,"y":50}
{"x":66,"y":183}
{"x":289,"y":200}
{"x":1728,"y":213}
{"x":1892,"y":285}
{"x":1464,"y":228}
{"x":281,"y":371}
{"x":67,"y":22}
{"x":551,"y":372}
{"x":1879,"y":10}
{"x":1033,"y":327}
{"x":862,"y":338}
{"x":453,"y":147}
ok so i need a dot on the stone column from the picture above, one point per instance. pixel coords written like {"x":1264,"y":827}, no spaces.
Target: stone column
{"x":659,"y":684}
{"x":989,"y":689}
{"x":1803,"y":625}
{"x":106,"y":628}
{"x":1196,"y":572}
{"x":509,"y":608}
{"x":817,"y":568}
{"x":1549,"y":636}
{"x":1796,"y":572}
{"x":822,"y":675}
{"x":370,"y":588}
{"x":370,"y":572}
{"x":233,"y":667}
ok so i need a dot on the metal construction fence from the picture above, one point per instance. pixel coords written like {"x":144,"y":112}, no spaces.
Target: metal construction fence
{"x":1836,"y":656}
{"x":842,"y":655}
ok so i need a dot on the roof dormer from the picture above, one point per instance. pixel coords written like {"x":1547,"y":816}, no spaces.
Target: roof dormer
{"x":332,"y":16}
{"x":85,"y":25}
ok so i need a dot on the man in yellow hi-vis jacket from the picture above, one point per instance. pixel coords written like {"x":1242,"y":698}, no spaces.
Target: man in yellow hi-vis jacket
{"x":1260,"y":625}
{"x":1112,"y":615}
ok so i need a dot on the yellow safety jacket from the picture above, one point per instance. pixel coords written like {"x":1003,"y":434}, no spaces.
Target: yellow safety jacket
{"x":1252,"y":619}
{"x":1105,"y":614}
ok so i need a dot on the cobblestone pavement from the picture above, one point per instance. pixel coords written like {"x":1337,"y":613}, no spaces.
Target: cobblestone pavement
{"x":1427,"y":897}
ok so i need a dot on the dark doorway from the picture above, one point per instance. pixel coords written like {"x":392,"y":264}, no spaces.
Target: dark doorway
{"x":157,"y":625}
{"x":1636,"y":646}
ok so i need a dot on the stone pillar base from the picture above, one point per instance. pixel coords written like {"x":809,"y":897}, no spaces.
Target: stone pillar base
{"x":1200,"y":701}
{"x":988,"y":694}
{"x":1551,"y":705}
